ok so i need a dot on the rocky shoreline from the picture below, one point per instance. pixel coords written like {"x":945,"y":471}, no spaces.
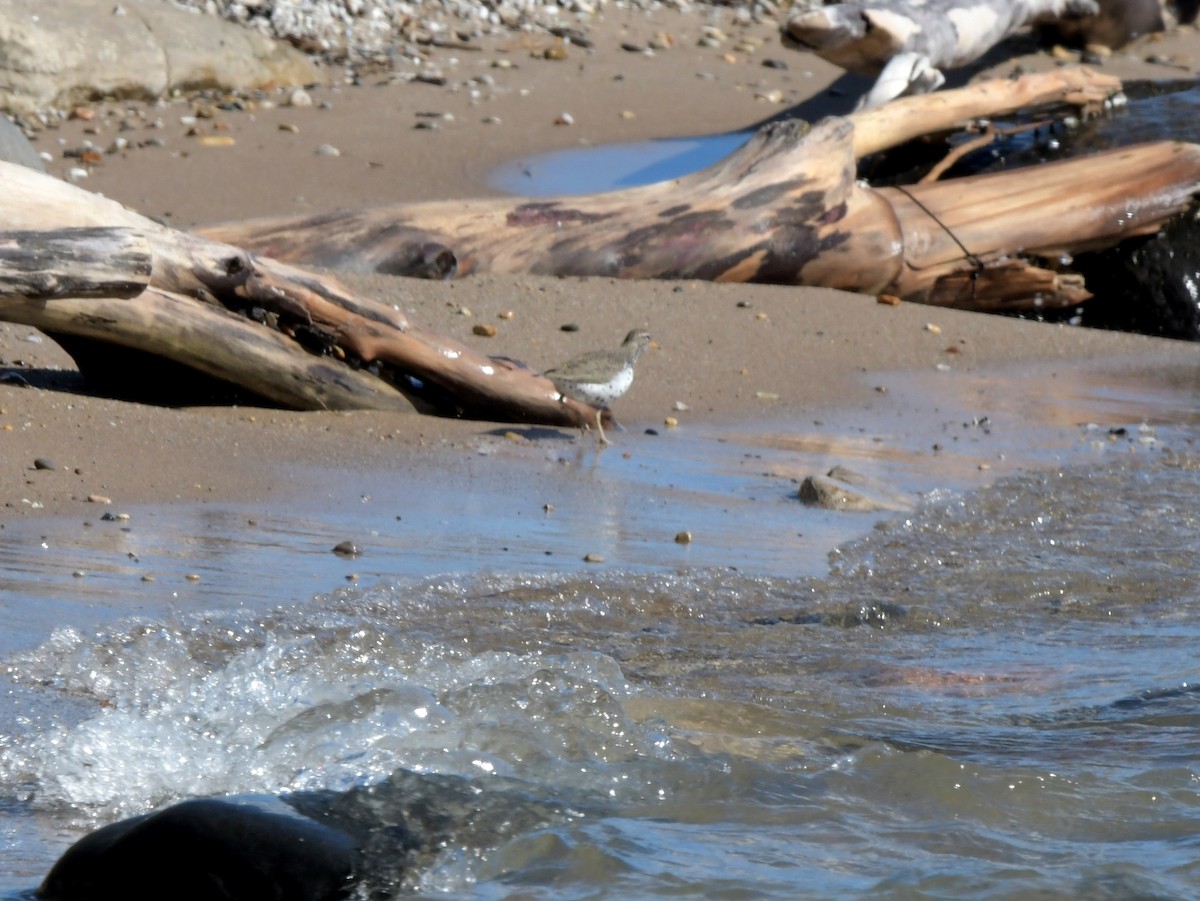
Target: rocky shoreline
{"x":357,"y":29}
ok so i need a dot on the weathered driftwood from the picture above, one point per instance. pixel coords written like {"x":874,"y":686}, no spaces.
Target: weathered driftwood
{"x":787,"y":209}
{"x":292,"y":337}
{"x":907,"y":44}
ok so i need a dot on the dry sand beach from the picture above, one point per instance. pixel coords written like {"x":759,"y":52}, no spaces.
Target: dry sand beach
{"x":770,"y":359}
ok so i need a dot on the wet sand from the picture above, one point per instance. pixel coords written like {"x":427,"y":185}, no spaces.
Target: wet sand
{"x":743,"y":360}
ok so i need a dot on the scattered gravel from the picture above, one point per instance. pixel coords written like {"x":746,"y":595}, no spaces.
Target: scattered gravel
{"x":341,"y":29}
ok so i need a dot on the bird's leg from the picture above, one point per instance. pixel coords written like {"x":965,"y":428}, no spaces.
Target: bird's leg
{"x":599,"y":425}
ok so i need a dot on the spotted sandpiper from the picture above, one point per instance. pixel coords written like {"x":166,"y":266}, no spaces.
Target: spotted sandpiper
{"x":599,"y":377}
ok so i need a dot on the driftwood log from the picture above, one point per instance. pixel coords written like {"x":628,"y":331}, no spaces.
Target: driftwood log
{"x":907,"y":44}
{"x":296,"y":339}
{"x":786,"y":209}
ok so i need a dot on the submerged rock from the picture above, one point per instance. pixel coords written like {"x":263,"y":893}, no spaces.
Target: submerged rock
{"x":845,"y":489}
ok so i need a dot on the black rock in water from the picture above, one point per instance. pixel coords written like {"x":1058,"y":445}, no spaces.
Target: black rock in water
{"x":207,"y":850}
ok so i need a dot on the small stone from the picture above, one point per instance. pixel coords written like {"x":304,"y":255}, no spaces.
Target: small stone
{"x":558,"y":51}
{"x":44,"y":463}
{"x":217,"y":141}
{"x":327,"y":150}
{"x":547,"y":508}
{"x":78,"y":574}
{"x":628,"y":114}
{"x":98,"y":499}
{"x":289,"y":127}
{"x":193,"y":577}
{"x":671,"y":422}
{"x":148,"y":578}
{"x":683,"y":537}
{"x":346,"y":549}
{"x":592,"y":558}
{"x":890,"y":300}
{"x":933,"y":328}
{"x":564,"y":119}
{"x":506,"y":314}
{"x":774,"y":64}
{"x":300,"y":97}
{"x":483,"y":330}
{"x":844,"y":489}
{"x":680,"y":406}
{"x":568,"y":327}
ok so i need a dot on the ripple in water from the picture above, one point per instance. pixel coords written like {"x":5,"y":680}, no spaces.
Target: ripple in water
{"x":993,"y":698}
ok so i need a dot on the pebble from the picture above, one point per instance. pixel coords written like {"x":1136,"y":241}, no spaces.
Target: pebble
{"x":44,"y":463}
{"x":98,"y":499}
{"x":592,"y":558}
{"x":683,"y":537}
{"x":300,"y":97}
{"x":346,"y":549}
{"x":484,"y":331}
{"x":327,"y":150}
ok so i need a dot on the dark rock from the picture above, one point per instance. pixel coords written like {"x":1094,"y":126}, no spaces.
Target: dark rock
{"x":207,"y":850}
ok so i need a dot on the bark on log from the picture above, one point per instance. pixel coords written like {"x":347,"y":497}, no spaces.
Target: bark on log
{"x":96,"y":262}
{"x":786,"y":209}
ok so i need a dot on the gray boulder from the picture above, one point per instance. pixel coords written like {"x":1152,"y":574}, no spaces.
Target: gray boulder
{"x":15,"y":147}
{"x":57,"y":54}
